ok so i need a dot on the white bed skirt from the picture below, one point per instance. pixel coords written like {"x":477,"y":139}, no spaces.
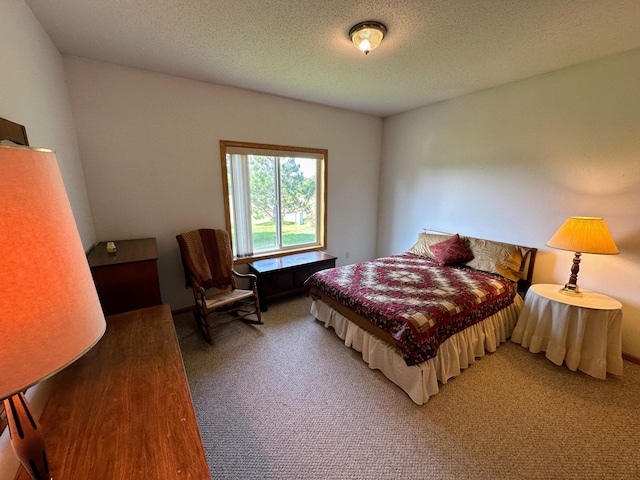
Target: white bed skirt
{"x":421,"y":381}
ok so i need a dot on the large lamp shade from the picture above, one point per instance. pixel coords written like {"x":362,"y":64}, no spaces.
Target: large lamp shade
{"x":50,"y":314}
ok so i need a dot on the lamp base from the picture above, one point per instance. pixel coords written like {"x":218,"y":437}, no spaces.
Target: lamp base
{"x":27,"y":439}
{"x":571,"y":289}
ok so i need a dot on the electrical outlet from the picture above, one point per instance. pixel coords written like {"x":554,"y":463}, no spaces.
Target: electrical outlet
{"x":346,"y":254}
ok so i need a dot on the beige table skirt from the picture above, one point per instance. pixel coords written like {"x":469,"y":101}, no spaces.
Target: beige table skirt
{"x":585,"y":333}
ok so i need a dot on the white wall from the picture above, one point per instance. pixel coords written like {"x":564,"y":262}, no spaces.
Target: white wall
{"x":150,"y":149}
{"x":510,"y":163}
{"x":513,"y":162}
{"x":33,"y":93}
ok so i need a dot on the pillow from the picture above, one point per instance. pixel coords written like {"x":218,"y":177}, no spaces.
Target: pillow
{"x":496,"y":257}
{"x":451,"y":251}
{"x":425,"y":240}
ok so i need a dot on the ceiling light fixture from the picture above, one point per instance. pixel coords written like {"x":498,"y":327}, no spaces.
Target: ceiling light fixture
{"x":367,"y":35}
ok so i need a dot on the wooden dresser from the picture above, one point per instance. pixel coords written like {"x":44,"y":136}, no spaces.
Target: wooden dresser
{"x":127,"y":279}
{"x":124,"y":410}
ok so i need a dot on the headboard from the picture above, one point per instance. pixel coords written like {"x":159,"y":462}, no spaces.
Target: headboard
{"x":528,"y":259}
{"x":15,"y":133}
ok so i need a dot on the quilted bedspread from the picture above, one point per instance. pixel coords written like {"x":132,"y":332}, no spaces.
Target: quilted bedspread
{"x":418,"y":302}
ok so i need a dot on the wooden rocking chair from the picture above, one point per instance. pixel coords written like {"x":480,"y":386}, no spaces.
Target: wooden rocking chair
{"x":208,"y":266}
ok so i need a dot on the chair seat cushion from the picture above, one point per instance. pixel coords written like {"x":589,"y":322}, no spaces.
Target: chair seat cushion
{"x":225,"y":297}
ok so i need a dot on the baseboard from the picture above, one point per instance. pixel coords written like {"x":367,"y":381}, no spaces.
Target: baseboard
{"x":631,"y":358}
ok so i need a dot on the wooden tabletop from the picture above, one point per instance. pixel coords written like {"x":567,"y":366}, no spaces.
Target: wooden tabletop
{"x":290,"y":261}
{"x":127,"y":251}
{"x":124,"y":410}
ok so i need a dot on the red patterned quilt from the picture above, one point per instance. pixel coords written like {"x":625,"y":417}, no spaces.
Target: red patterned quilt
{"x":418,"y":302}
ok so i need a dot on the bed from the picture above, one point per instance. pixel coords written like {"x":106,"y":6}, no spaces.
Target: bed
{"x":422,"y":316}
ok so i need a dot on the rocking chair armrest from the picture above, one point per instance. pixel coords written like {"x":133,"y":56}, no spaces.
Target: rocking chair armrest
{"x":252,"y":278}
{"x":198,"y":290}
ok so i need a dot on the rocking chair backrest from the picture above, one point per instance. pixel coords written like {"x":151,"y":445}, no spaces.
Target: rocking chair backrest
{"x":207,"y":258}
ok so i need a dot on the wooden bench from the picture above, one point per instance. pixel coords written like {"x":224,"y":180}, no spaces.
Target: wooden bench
{"x":286,"y":275}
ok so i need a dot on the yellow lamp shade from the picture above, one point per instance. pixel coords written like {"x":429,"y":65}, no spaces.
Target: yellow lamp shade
{"x":584,"y":235}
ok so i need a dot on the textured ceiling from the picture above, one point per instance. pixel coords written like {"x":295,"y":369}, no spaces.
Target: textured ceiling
{"x":434,"y":50}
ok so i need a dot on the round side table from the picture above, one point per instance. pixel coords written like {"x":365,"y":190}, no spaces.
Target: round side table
{"x":584,"y":332}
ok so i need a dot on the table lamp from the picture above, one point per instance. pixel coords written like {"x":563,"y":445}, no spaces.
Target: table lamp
{"x":582,"y":235}
{"x":50,"y":314}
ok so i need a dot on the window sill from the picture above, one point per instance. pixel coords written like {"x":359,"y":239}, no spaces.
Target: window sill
{"x":281,"y":253}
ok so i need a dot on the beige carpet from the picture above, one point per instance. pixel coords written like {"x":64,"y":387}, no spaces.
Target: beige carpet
{"x":287,"y":400}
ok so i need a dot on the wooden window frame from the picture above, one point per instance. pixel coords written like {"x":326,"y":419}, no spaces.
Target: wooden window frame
{"x":322,"y":215}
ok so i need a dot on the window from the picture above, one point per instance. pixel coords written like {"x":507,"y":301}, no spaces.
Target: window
{"x":275,"y":198}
